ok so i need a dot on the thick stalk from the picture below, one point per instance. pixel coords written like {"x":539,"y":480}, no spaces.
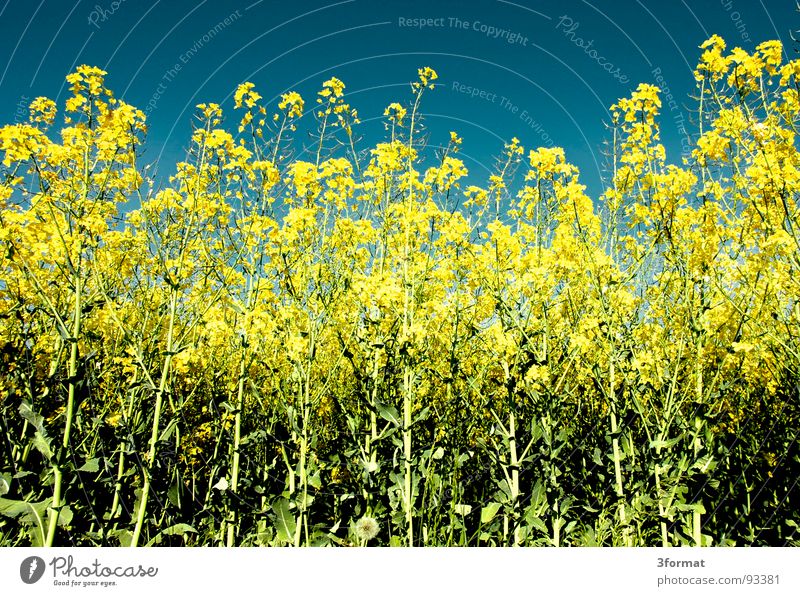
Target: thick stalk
{"x":237,"y":438}
{"x":557,"y":527}
{"x":302,"y":516}
{"x":407,"y":324}
{"x":617,"y":456}
{"x":407,"y":501}
{"x":512,"y":448}
{"x":115,"y":503}
{"x":372,"y":436}
{"x":696,"y":528}
{"x":151,"y":454}
{"x":57,"y":503}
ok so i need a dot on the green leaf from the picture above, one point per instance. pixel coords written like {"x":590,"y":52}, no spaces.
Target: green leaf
{"x":285,"y":523}
{"x":40,"y":439}
{"x":5,"y":484}
{"x":537,"y":523}
{"x":504,"y":492}
{"x":175,"y":530}
{"x":124,"y":536}
{"x":538,"y":499}
{"x":31,"y":514}
{"x":91,"y":465}
{"x":13,"y":508}
{"x":170,"y":428}
{"x":565,"y":505}
{"x":37,"y":536}
{"x":34,"y":419}
{"x":173,"y":494}
{"x":395,"y":541}
{"x":42,"y":444}
{"x":422,"y":415}
{"x":659,"y":444}
{"x":698,"y":507}
{"x":462,"y":509}
{"x":489,"y":511}
{"x":389,"y":413}
{"x":228,"y":407}
{"x":705,"y":464}
{"x":264,"y":537}
{"x":304,"y":501}
{"x":65,"y":517}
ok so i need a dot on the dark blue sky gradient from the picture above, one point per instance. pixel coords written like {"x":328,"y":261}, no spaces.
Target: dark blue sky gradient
{"x":526,"y":51}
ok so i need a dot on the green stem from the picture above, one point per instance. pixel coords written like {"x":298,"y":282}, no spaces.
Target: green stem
{"x":57,"y":503}
{"x":151,"y":454}
{"x":512,"y":448}
{"x":121,"y":464}
{"x":237,"y":437}
{"x":407,"y":500}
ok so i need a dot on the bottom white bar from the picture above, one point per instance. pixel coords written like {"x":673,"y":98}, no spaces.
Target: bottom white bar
{"x":408,"y":572}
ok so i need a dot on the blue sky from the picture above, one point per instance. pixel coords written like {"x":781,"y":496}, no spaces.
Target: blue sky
{"x":545,"y":72}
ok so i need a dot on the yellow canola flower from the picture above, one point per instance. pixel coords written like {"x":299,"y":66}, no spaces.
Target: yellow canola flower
{"x":43,"y":111}
{"x":246,"y":96}
{"x":395,"y":112}
{"x":293,"y":103}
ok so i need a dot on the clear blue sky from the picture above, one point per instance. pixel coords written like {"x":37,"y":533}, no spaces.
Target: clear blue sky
{"x":559,"y":65}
